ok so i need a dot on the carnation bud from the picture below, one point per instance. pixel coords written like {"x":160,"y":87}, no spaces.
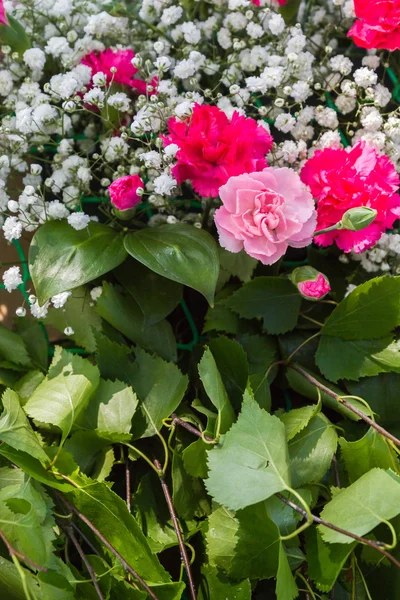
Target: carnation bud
{"x":311,"y":284}
{"x":356,"y":219}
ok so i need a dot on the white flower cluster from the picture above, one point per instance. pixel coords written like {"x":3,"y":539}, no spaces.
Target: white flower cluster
{"x":383,"y":258}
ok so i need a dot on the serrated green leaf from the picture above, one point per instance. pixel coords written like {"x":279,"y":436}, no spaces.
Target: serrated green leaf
{"x":372,"y":450}
{"x":215,"y":586}
{"x":194,"y":459}
{"x":352,"y":359}
{"x":111,"y":410}
{"x":237,"y":264}
{"x":62,"y":258}
{"x":215,"y":390}
{"x":325,"y":561}
{"x":250,"y":464}
{"x":85,"y":446}
{"x":172,"y":250}
{"x":123,"y":313}
{"x":244,"y":544}
{"x":27,"y":384}
{"x":35,"y":340}
{"x":160,"y":387}
{"x":12,"y":348}
{"x":59,"y":401}
{"x":232,"y":364}
{"x":372,"y":308}
{"x":296,"y":419}
{"x":155,"y":296}
{"x":359,"y":508}
{"x":69,"y":363}
{"x":113,"y":359}
{"x":274,"y":299}
{"x":221,"y":318}
{"x":16,"y":430}
{"x":286,"y":588}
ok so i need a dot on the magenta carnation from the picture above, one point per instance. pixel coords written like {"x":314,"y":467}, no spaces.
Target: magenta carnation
{"x":315,"y":289}
{"x":378,"y":24}
{"x":265,"y":213}
{"x":213,"y":148}
{"x":340,"y":180}
{"x":3,"y":16}
{"x":122,"y":61}
{"x":123,"y":191}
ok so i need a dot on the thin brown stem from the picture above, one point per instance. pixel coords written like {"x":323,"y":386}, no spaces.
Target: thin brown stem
{"x":178,"y":421}
{"x":85,"y":539}
{"x":127,"y":480}
{"x":13,"y":552}
{"x":345,"y":403}
{"x":89,"y":568}
{"x":376,"y":545}
{"x":101,"y":537}
{"x":178,"y":531}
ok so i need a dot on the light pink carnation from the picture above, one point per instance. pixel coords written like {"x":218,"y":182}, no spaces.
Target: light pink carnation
{"x":315,"y":288}
{"x":265,"y":213}
{"x":123,"y":192}
{"x":378,"y":24}
{"x":341,"y":180}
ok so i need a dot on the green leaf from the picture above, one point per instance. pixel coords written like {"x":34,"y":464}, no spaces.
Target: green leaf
{"x":215,"y":390}
{"x":352,"y":359}
{"x":221,"y":318}
{"x":59,"y":401}
{"x":250,"y":464}
{"x":296,"y":419}
{"x":381,"y":393}
{"x":238,"y":264}
{"x":179,"y":252}
{"x":112,"y":359}
{"x":35,"y":340}
{"x":372,"y":450}
{"x":111,"y":410}
{"x":80,"y":315}
{"x":370,"y":311}
{"x":61,"y":258}
{"x":284,"y":517}
{"x":27,"y":384}
{"x":73,"y":364}
{"x":109,"y":514}
{"x":372,"y":499}
{"x":274,"y":299}
{"x":245,"y":544}
{"x":85,"y":447}
{"x":123,"y":313}
{"x":10,"y":581}
{"x":232,"y":364}
{"x":188,"y":494}
{"x":14,"y":35}
{"x":16,"y":430}
{"x":286,"y":588}
{"x":195,"y":459}
{"x":215,"y":586}
{"x":261,"y":351}
{"x":160,"y":387}
{"x":155,"y":296}
{"x":12,"y":347}
{"x":325,"y":561}
{"x":54,"y":586}
{"x":311,"y":451}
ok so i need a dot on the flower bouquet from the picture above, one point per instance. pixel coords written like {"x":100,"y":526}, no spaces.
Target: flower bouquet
{"x":199,"y":394}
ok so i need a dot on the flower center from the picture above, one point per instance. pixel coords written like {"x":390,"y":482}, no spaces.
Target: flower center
{"x":270,"y":206}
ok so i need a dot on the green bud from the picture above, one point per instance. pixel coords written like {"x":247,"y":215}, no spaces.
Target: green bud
{"x":358,"y":218}
{"x":124,"y":215}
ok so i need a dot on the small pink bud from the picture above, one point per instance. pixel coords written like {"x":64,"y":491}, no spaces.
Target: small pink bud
{"x":311,"y":284}
{"x":126,"y":192}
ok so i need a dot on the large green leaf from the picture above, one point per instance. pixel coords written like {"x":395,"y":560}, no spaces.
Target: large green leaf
{"x":286,"y":588}
{"x":352,"y":359}
{"x":179,"y":252}
{"x":215,"y":586}
{"x":245,"y":544}
{"x":372,"y":499}
{"x":61,"y":258}
{"x":16,"y":430}
{"x":12,"y":348}
{"x":370,"y":311}
{"x":10,"y":581}
{"x":123,"y":313}
{"x":188,"y":494}
{"x":325,"y":561}
{"x":156,"y":296}
{"x":251,"y":462}
{"x":232,"y":364}
{"x":160,"y":387}
{"x":372,"y":450}
{"x":215,"y":390}
{"x":274,"y":299}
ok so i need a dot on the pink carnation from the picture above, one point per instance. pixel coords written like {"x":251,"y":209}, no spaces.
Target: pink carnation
{"x":3,"y":16}
{"x":378,"y":24}
{"x":340,"y":180}
{"x":315,"y":289}
{"x":121,"y":60}
{"x":123,"y":191}
{"x":265,"y":213}
{"x":213,"y":148}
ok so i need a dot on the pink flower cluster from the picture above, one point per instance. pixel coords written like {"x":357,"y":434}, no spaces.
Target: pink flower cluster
{"x":341,"y":180}
{"x":122,"y":61}
{"x":213,"y":148}
{"x":378,"y":24}
{"x":264,"y":213}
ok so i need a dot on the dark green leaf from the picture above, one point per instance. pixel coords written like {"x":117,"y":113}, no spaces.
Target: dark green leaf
{"x":27,"y":384}
{"x":232,"y":365}
{"x":10,"y":581}
{"x":85,"y":447}
{"x":372,"y":450}
{"x":251,"y":462}
{"x":238,"y":264}
{"x":195,"y":459}
{"x":156,"y":296}
{"x":325,"y":561}
{"x":382,"y":394}
{"x":284,"y":517}
{"x":274,"y":299}
{"x":35,"y":340}
{"x":215,"y":586}
{"x":112,"y":359}
{"x":221,"y":318}
{"x":61,"y":258}
{"x":286,"y":588}
{"x":12,"y":348}
{"x":173,"y":250}
{"x":215,"y":390}
{"x":188,"y":493}
{"x":370,"y":311}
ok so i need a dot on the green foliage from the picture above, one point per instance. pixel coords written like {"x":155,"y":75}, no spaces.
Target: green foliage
{"x":216,"y":391}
